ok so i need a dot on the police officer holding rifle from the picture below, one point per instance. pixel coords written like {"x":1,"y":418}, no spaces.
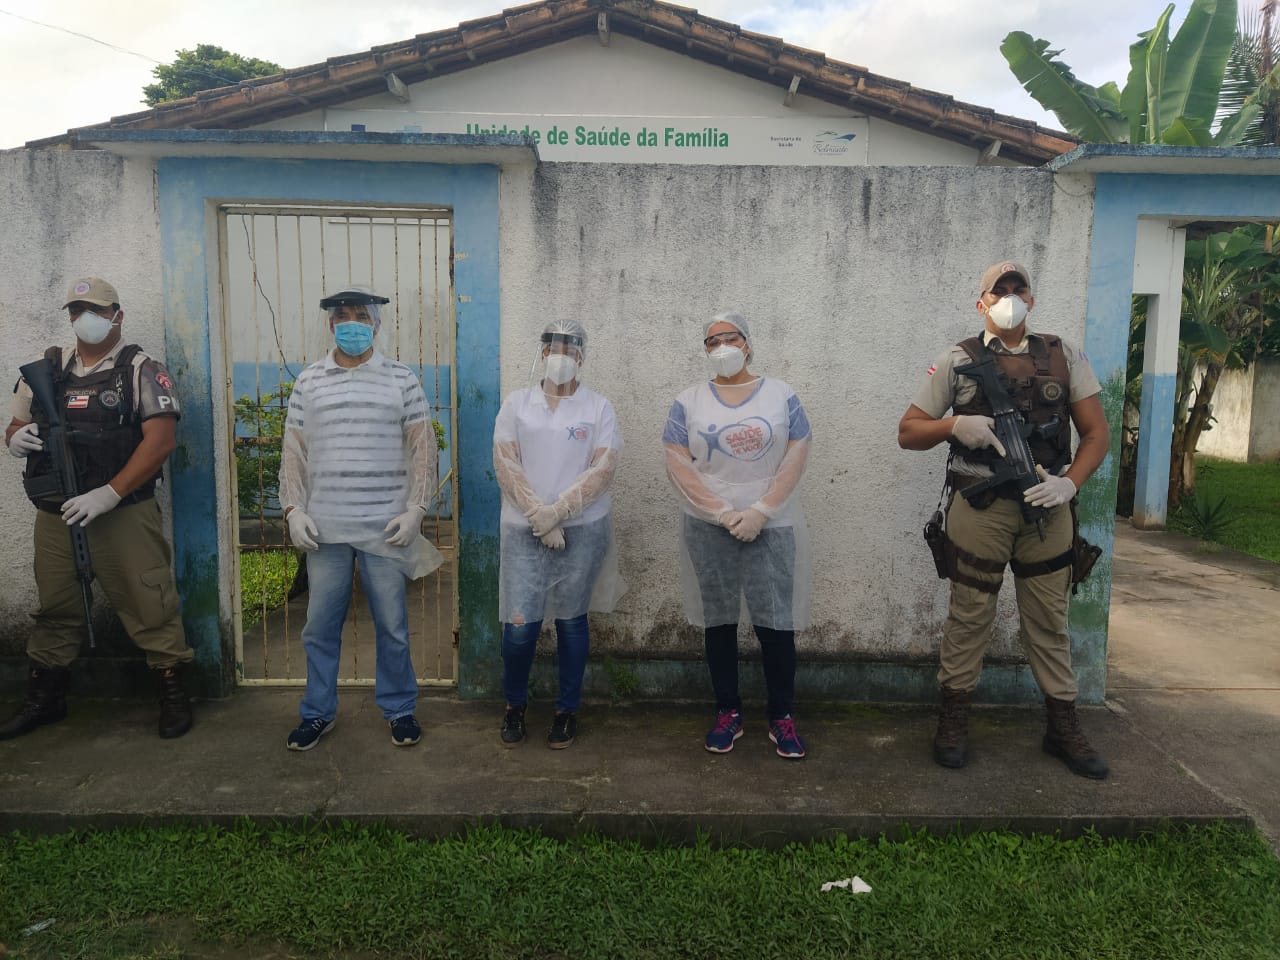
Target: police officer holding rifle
{"x":1013,"y":396}
{"x":94,"y":425}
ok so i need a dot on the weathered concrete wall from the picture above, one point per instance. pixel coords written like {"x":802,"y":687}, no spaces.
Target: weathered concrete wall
{"x":1232,"y":412}
{"x":67,"y":214}
{"x":1264,"y":426}
{"x":853,"y":280}
{"x":1245,"y":404}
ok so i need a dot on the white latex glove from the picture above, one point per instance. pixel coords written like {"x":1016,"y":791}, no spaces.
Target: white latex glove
{"x":729,"y":518}
{"x":85,"y":507}
{"x":24,"y":440}
{"x":976,"y":432}
{"x":748,"y":525}
{"x":404,"y":528}
{"x":554,"y":540}
{"x":303,"y":530}
{"x":546,"y":517}
{"x":1051,"y":491}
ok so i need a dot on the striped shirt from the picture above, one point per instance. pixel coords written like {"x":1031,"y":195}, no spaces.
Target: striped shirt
{"x":361,"y":469}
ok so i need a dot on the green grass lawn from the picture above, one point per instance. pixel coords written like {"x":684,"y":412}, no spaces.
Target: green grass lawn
{"x":1250,"y":494}
{"x":1209,"y":892}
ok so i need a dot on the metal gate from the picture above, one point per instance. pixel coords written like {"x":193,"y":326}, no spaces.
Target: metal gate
{"x":277,"y":262}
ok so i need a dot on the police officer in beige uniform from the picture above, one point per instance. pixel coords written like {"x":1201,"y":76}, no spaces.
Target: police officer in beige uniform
{"x":1051,"y":382}
{"x":121,"y":409}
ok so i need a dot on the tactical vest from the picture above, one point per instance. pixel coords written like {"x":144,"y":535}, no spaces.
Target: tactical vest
{"x":1039,"y":384}
{"x":103,"y":426}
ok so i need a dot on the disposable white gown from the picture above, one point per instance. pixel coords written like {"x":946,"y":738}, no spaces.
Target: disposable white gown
{"x":318,"y":463}
{"x":563,"y":453}
{"x":734,"y":450}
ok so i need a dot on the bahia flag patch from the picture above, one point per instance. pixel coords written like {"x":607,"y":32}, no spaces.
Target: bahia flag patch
{"x":933,"y":368}
{"x":78,"y":401}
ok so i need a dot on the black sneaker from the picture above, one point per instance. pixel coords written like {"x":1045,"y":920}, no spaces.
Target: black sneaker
{"x":308,"y":733}
{"x":564,"y":727}
{"x":513,"y":726}
{"x":405,"y":731}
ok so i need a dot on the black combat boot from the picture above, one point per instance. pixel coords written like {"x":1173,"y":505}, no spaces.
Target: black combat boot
{"x":952,"y":738}
{"x":1065,"y":740}
{"x":175,"y":705}
{"x":46,"y":700}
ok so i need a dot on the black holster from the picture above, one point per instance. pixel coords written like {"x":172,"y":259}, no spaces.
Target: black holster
{"x":936,"y":537}
{"x":1083,"y":553}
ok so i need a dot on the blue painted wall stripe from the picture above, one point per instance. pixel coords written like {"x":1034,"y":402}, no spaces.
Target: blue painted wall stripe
{"x":190,"y":190}
{"x":1119,"y":201}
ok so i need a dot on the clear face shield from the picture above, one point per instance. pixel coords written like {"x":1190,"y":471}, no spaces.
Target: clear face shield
{"x":352,"y":316}
{"x":558,"y":360}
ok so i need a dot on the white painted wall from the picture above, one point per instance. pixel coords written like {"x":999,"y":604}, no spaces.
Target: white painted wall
{"x":1228,"y":438}
{"x":1246,"y":427}
{"x":853,"y":278}
{"x":67,"y":214}
{"x":1264,"y":430}
{"x":632,"y":84}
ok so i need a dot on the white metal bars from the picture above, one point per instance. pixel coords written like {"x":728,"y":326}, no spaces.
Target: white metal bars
{"x":277,"y":263}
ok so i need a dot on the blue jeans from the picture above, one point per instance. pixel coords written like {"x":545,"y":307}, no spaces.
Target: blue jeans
{"x":519,"y":644}
{"x":329,"y":572}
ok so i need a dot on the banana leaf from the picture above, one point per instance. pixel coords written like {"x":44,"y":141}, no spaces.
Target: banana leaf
{"x":1197,"y":61}
{"x":1237,"y":127}
{"x":1133,"y":99}
{"x":1083,"y":110}
{"x":1180,"y":134}
{"x":1157,"y":55}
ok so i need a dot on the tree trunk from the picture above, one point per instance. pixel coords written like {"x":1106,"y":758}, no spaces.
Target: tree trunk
{"x":1197,"y":420}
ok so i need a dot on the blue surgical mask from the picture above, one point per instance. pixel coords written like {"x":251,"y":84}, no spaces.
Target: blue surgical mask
{"x":353,"y":338}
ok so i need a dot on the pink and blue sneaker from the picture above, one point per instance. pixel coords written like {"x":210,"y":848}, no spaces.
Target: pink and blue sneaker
{"x":728,"y":728}
{"x":783,"y":734}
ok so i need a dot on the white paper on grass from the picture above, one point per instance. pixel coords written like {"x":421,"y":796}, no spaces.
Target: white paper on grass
{"x":856,"y":884}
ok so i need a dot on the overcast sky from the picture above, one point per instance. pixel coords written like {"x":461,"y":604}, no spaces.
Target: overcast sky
{"x":57,"y":81}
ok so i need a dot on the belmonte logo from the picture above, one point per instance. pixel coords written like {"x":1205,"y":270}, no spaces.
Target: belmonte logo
{"x":830,"y":142}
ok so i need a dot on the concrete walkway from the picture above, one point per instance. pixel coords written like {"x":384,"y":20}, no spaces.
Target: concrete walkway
{"x":1189,"y":732}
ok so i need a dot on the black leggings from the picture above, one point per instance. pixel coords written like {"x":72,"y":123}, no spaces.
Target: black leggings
{"x":777,"y":653}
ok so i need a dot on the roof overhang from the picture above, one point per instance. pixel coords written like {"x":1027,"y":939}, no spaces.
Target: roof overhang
{"x":1158,"y":159}
{"x":504,"y":149}
{"x":517,"y":30}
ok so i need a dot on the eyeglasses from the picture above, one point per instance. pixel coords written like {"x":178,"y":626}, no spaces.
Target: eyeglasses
{"x":733,"y":338}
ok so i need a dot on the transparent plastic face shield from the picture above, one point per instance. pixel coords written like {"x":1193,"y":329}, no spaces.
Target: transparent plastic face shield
{"x":354,"y":304}
{"x":559,"y":355}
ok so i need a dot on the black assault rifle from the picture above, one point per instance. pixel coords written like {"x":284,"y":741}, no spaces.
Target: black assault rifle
{"x":62,"y":481}
{"x":1018,"y":465}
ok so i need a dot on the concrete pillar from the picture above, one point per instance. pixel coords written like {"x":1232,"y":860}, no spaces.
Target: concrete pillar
{"x":1157,"y":273}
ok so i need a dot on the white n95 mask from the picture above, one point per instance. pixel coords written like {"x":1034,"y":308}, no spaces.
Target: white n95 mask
{"x":726,"y":360}
{"x":561,"y":369}
{"x":91,"y":328}
{"x":1008,"y":312}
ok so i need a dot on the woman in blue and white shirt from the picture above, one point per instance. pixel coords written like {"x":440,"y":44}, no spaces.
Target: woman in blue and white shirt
{"x":736,"y":448}
{"x":555,"y":450}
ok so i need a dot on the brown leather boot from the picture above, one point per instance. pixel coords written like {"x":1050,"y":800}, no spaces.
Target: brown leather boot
{"x":175,"y":705}
{"x":952,"y":738}
{"x":1065,"y":740}
{"x":46,"y":700}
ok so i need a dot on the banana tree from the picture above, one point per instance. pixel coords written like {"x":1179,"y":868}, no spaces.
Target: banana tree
{"x":1222,"y":322}
{"x":1171,"y":93}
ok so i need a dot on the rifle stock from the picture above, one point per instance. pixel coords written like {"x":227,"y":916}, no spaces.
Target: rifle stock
{"x":39,"y":376}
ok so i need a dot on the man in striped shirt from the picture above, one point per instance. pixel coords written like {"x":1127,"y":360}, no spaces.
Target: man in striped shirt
{"x":356,"y":476}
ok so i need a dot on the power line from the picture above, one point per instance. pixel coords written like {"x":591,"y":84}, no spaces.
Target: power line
{"x":82,"y":36}
{"x":111,"y":46}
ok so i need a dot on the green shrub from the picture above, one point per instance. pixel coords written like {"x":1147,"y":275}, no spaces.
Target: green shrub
{"x":265,"y":578}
